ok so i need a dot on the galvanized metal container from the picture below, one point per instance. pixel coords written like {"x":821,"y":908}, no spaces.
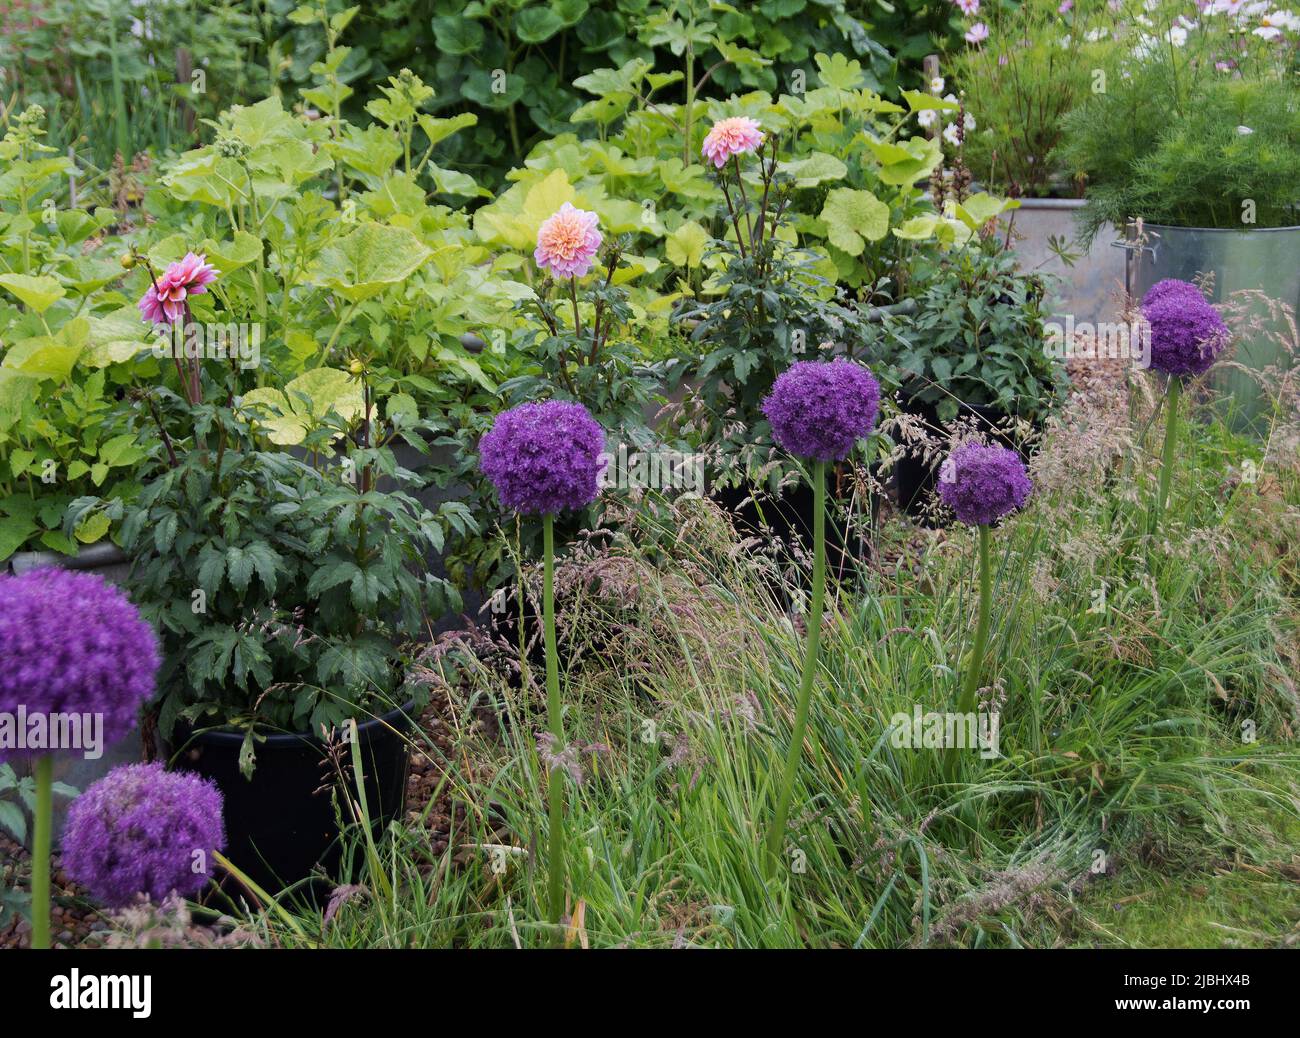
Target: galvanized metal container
{"x":1089,"y":289}
{"x":1267,"y":259}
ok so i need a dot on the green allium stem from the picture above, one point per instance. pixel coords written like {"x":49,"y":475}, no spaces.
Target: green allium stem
{"x":975,"y":663}
{"x":555,"y":856}
{"x":1172,"y":399}
{"x":776,"y":835}
{"x":41,"y":851}
{"x":966,"y":704}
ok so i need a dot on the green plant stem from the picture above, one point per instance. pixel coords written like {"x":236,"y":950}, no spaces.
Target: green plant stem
{"x":555,"y":855}
{"x":577,"y":321}
{"x":41,"y":839}
{"x":966,"y":704}
{"x":1172,"y":399}
{"x":776,"y":835}
{"x":975,"y":663}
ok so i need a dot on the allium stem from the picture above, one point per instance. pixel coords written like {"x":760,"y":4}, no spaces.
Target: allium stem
{"x":975,"y":663}
{"x":555,"y":855}
{"x":966,"y":704}
{"x":776,"y":836}
{"x":41,"y":851}
{"x":1172,"y":399}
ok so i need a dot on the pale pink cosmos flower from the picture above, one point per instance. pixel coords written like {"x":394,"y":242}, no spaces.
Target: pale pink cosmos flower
{"x":166,"y":301}
{"x":738,"y":135}
{"x":968,"y":7}
{"x":567,"y":242}
{"x":977,"y":33}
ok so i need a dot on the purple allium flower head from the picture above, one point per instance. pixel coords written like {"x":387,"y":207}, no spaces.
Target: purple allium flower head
{"x":143,"y":830}
{"x":73,"y":643}
{"x":544,"y":458}
{"x":982,"y":484}
{"x":820,"y":409}
{"x":1187,"y":333}
{"x":1170,"y":287}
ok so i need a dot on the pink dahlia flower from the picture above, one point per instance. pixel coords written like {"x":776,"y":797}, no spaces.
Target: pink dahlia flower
{"x":567,"y":242}
{"x":165,"y":302}
{"x":736,"y":136}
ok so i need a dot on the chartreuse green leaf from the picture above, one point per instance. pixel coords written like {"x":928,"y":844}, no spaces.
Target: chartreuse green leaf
{"x":686,"y":246}
{"x":369,"y":259}
{"x":50,"y":357}
{"x":906,"y":163}
{"x":514,"y":218}
{"x":116,"y":337}
{"x":853,"y":218}
{"x":817,"y":168}
{"x":918,"y":228}
{"x":921,"y":102}
{"x":229,"y":256}
{"x":92,"y":528}
{"x":979,"y":209}
{"x":38,"y":292}
{"x":838,"y":72}
{"x":440,"y":129}
{"x":289,"y":416}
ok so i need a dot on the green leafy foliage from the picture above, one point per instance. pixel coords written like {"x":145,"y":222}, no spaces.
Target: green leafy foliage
{"x":283,"y":590}
{"x":61,"y":434}
{"x":1174,"y":139}
{"x":523,"y":68}
{"x":1019,"y":94}
{"x":119,"y":78}
{"x":976,"y":337}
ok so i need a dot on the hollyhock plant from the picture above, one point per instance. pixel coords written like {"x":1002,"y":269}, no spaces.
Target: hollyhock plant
{"x":1187,"y":336}
{"x":143,"y":830}
{"x":70,"y":644}
{"x":542,"y":459}
{"x":818,"y":410}
{"x":982,"y":484}
{"x":166,"y":301}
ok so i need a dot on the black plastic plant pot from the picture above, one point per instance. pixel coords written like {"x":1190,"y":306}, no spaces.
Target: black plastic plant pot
{"x":788,"y":517}
{"x":281,"y":824}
